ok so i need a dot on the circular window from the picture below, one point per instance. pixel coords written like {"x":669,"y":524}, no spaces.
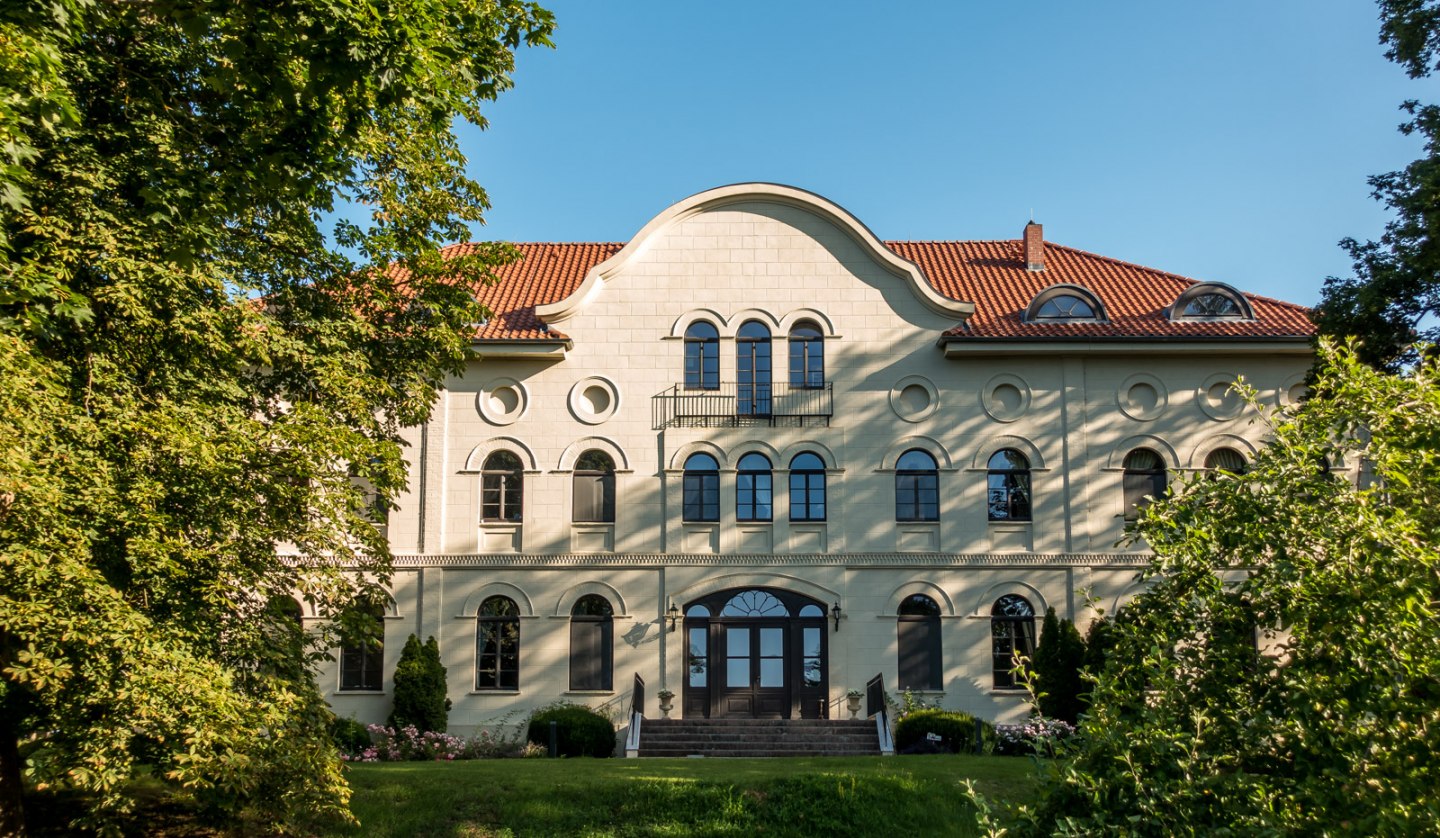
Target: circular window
{"x":1292,"y":392}
{"x":1006,"y":398}
{"x":594,"y":399}
{"x":502,"y":401}
{"x":1143,"y":397}
{"x":1217,"y":397}
{"x":914,"y":398}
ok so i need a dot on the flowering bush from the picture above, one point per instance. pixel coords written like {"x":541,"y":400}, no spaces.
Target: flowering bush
{"x":1037,"y":735}
{"x":411,"y":744}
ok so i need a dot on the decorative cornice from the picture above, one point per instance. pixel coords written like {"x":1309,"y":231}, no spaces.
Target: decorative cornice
{"x":843,"y":560}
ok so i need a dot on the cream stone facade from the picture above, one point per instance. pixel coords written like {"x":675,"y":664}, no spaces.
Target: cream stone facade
{"x":599,"y":364}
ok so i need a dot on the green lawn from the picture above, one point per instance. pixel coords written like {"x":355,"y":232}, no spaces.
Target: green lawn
{"x":852,"y":796}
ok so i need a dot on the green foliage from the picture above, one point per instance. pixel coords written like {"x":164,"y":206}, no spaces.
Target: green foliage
{"x":955,"y":729}
{"x":163,"y":168}
{"x":580,"y":731}
{"x":1335,"y":724}
{"x":1394,"y":297}
{"x":1057,"y":667}
{"x":420,"y":688}
{"x":349,"y":735}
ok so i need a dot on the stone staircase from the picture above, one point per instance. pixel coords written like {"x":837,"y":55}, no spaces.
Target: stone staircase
{"x":758,"y":738}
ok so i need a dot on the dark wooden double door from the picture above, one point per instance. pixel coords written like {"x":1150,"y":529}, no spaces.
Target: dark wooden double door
{"x":759,"y":667}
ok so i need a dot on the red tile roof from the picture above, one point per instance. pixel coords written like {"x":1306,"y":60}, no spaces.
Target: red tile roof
{"x":988,"y":273}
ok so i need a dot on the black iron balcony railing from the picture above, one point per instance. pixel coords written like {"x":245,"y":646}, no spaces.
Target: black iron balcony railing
{"x":735,"y":405}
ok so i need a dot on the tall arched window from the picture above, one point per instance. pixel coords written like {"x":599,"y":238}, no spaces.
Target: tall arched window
{"x":502,"y":479}
{"x":1144,"y":480}
{"x":917,"y":487}
{"x":754,"y":489}
{"x":1012,"y":633}
{"x":752,"y":370}
{"x":701,"y":488}
{"x":497,"y":645}
{"x":702,"y":357}
{"x":918,"y":636}
{"x":807,"y":356}
{"x":807,"y":487}
{"x":1007,"y":488}
{"x":362,"y":659}
{"x":593,"y":494}
{"x":1226,"y":459}
{"x":592,"y":644}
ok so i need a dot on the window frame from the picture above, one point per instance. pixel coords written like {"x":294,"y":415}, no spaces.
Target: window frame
{"x":1012,"y":481}
{"x":702,"y":484}
{"x":807,"y":356}
{"x":702,"y":356}
{"x":919,"y":644}
{"x":368,"y":675}
{"x":594,"y":475}
{"x":490,"y":624}
{"x":923,"y":483}
{"x":507,"y":484}
{"x":754,"y":481}
{"x":1085,"y":295}
{"x":808,"y":477}
{"x":1142,"y":483}
{"x":755,"y":359}
{"x":590,"y":632}
{"x":1017,"y":633}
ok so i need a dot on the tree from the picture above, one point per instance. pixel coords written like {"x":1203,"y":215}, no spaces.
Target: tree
{"x":192,"y":372}
{"x":1059,"y":660}
{"x":1394,"y":297}
{"x":420,"y":687}
{"x":1280,"y":674}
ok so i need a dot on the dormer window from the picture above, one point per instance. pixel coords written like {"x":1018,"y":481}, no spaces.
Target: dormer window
{"x":1065,"y":303}
{"x":1211,"y":301}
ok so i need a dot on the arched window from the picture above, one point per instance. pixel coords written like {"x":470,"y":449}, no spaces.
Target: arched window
{"x":1007,"y":488}
{"x":917,"y":487}
{"x":702,"y":357}
{"x":807,"y":487}
{"x":701,"y":488}
{"x":1213,"y":305}
{"x":362,"y":659}
{"x":502,"y":479}
{"x":752,"y":370}
{"x":1226,"y":459}
{"x":593,"y":494}
{"x":918,"y":636}
{"x":592,"y":644}
{"x":497,"y":645}
{"x":807,"y":356}
{"x":1144,"y":480}
{"x":754,"y":489}
{"x":1012,"y":634}
{"x":1211,"y":301}
{"x":1065,"y":302}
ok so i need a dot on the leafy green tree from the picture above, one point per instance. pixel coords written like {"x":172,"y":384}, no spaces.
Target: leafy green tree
{"x":195,"y":369}
{"x":420,"y":687}
{"x":1059,"y":661}
{"x":1394,"y":297}
{"x":1280,"y":674}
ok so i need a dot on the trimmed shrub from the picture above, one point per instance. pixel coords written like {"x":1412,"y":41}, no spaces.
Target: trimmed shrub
{"x":349,"y":736}
{"x":420,"y":700}
{"x":581,"y":732}
{"x":955,"y":729}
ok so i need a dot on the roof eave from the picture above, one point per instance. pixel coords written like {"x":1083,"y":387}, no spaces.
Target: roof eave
{"x":955,"y":346}
{"x":492,"y":349}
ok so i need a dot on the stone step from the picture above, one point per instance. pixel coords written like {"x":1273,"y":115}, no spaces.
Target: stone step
{"x":758,"y":737}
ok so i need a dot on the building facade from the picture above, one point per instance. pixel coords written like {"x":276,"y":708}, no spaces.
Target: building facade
{"x":757,"y":456}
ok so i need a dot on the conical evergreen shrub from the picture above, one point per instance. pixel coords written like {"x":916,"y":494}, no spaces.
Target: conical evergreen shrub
{"x":420,"y":698}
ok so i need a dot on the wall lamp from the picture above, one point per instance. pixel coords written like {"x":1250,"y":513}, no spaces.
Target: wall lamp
{"x":673,"y":612}
{"x":835,"y":612}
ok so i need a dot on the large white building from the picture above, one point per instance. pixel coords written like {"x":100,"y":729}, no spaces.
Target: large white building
{"x":757,"y":456}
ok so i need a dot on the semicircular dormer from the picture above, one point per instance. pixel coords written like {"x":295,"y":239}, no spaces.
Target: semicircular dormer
{"x":1205,"y":301}
{"x":1066,"y":303}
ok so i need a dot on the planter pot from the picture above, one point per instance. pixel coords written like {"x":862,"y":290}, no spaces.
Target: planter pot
{"x":852,"y":703}
{"x":666,"y":704}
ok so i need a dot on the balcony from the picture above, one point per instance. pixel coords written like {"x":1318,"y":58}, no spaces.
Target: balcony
{"x":733,"y":405}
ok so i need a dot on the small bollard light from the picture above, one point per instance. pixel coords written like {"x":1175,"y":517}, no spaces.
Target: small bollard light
{"x":554,"y":738}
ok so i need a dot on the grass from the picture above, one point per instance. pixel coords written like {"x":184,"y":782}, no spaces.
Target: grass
{"x":853,"y":796}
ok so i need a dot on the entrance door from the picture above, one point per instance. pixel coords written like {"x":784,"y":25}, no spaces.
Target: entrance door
{"x":756,"y":685}
{"x":755,"y":653}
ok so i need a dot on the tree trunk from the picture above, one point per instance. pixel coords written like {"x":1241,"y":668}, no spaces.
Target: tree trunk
{"x":12,"y":812}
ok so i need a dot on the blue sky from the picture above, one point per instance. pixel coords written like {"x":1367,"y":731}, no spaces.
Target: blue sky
{"x":1221,"y":140}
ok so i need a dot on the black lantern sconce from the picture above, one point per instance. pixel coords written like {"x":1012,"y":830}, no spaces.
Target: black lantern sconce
{"x":835,"y":612}
{"x":673,"y":612}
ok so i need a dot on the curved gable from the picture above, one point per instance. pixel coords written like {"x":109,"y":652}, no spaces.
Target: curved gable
{"x":786,"y":196}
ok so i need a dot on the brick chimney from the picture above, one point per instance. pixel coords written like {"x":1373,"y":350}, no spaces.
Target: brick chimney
{"x":1034,"y":247}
